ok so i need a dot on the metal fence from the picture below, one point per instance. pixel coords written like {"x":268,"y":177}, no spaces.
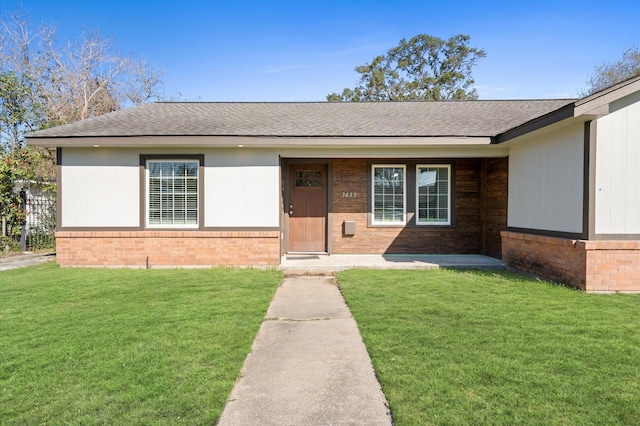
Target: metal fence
{"x":38,"y":231}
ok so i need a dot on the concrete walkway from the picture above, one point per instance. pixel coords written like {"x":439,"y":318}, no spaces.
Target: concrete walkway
{"x":339,"y":262}
{"x":308,"y":365}
{"x":25,"y":259}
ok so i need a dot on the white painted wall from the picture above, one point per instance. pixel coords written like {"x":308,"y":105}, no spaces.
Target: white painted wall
{"x":618,"y":168}
{"x":546,"y":181}
{"x":100,"y":188}
{"x":242,"y":188}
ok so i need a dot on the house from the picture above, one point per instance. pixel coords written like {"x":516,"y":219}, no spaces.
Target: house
{"x":550,"y":186}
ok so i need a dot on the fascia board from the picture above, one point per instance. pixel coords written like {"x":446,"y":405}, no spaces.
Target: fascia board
{"x":261,"y":142}
{"x":597,"y":105}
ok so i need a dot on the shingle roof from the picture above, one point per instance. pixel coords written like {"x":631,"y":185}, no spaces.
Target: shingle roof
{"x":403,"y":119}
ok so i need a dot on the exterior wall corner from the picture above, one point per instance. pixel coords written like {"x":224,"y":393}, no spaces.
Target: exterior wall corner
{"x":593,"y":266}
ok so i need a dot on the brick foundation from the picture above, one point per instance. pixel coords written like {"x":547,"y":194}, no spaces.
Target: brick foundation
{"x":612,"y":265}
{"x":168,"y":248}
{"x":593,"y":266}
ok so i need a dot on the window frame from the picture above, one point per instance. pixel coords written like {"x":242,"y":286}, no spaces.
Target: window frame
{"x":375,"y":222}
{"x":418,"y":222}
{"x":145,"y":161}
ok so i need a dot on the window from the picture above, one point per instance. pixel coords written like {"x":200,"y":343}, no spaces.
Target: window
{"x":172,"y":187}
{"x":308,"y":178}
{"x":389,"y":203}
{"x":433,"y":194}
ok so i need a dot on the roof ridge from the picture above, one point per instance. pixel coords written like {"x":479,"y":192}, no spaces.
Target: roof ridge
{"x":360,"y":103}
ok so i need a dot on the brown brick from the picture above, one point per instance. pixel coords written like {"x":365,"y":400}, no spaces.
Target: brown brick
{"x":466,"y":236}
{"x":590,"y":265}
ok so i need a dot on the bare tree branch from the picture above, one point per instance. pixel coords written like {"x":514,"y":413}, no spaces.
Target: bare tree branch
{"x":79,"y":79}
{"x":607,"y":75}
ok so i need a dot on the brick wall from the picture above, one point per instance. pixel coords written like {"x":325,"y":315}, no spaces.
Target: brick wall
{"x":167,"y":248}
{"x":495,"y":190}
{"x":350,"y":188}
{"x":594,"y":266}
{"x":612,"y":265}
{"x":555,"y":259}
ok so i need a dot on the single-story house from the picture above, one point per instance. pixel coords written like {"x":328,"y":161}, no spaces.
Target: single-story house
{"x":552,"y":187}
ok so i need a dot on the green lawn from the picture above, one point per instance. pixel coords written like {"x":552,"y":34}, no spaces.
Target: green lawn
{"x":104,"y":346}
{"x":497,"y":348}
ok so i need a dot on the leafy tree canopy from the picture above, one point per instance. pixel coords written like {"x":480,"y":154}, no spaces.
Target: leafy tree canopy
{"x":607,"y":75}
{"x":422,"y":68}
{"x":18,"y":109}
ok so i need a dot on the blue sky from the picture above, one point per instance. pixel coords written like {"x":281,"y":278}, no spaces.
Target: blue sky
{"x":277,"y":50}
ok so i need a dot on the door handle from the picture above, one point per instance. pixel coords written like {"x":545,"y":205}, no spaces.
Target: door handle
{"x":290,"y":209}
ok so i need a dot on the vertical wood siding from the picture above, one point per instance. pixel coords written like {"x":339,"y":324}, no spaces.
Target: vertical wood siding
{"x":99,"y":188}
{"x":546,"y":179}
{"x":242,"y":188}
{"x":618,"y":168}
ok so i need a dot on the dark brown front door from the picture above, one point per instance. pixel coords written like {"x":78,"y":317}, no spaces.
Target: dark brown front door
{"x":307,"y":207}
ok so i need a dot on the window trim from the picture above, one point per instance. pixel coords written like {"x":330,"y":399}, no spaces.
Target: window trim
{"x":373,"y":221}
{"x":144,"y":191}
{"x":417,"y":191}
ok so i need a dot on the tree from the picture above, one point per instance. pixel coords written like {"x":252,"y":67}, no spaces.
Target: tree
{"x":76,"y":80}
{"x":607,"y":75}
{"x":423,"y":68}
{"x":145,"y":84}
{"x":44,"y":83}
{"x":17,"y":111}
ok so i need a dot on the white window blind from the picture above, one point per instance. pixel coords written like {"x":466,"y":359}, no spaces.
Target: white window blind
{"x":434,"y":194}
{"x":389,"y":206}
{"x":172,"y":193}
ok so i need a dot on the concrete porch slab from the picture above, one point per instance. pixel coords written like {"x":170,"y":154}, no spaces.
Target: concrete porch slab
{"x":301,"y":262}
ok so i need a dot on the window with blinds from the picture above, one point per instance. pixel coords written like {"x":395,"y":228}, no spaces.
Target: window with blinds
{"x":389,"y":202}
{"x":433,"y":195}
{"x":172,"y":188}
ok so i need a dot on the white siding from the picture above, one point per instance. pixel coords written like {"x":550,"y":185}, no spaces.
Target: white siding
{"x":546,"y":181}
{"x":100,"y":188}
{"x":242,"y":188}
{"x":618,"y":168}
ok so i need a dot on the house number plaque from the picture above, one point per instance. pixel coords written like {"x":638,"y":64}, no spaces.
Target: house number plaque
{"x":349,"y":194}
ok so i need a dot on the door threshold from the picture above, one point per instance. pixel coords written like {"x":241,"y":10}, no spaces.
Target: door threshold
{"x":307,"y":253}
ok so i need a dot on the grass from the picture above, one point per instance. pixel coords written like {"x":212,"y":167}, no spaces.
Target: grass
{"x":497,"y":348}
{"x":101,"y":346}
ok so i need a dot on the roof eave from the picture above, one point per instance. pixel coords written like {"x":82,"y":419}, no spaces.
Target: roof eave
{"x":597,"y":104}
{"x":553,"y":117}
{"x":260,"y":141}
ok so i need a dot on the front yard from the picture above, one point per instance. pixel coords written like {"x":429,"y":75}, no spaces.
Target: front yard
{"x":101,"y":346}
{"x":497,"y":348}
